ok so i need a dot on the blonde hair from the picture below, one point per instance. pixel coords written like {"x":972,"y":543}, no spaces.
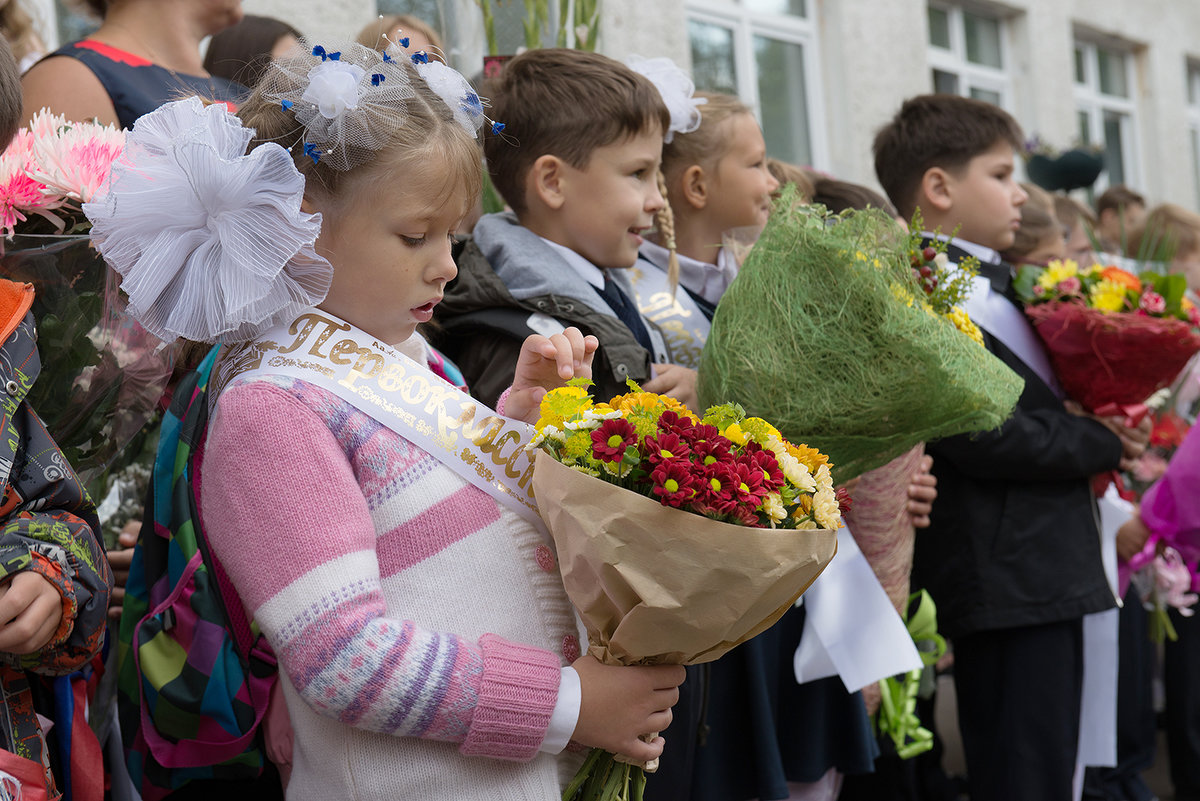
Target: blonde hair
{"x":1166,"y":232}
{"x":786,"y":173}
{"x":375,"y":34}
{"x":704,"y":146}
{"x":16,"y":24}
{"x":1038,"y":219}
{"x":426,"y":130}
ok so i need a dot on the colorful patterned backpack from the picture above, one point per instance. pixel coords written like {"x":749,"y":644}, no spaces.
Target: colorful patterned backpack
{"x":194,"y":677}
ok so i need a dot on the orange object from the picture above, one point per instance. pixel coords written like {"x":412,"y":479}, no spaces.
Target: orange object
{"x":15,"y":300}
{"x":1124,"y":277}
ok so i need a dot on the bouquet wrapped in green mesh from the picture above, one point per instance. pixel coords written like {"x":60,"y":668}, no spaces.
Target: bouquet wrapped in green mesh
{"x":825,"y":334}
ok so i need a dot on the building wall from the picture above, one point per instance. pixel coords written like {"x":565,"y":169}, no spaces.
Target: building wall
{"x":873,"y":53}
{"x":867,"y":71}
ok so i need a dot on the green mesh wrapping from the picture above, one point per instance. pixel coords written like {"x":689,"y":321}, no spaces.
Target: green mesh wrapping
{"x":823,"y":344}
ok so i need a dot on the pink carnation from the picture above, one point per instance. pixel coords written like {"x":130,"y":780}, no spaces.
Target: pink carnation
{"x":1153,"y":302}
{"x":1070,"y":286}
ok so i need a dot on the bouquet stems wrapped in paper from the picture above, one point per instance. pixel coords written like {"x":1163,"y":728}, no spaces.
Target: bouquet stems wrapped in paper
{"x":1114,"y":338}
{"x":678,"y":537}
{"x":826,"y":333}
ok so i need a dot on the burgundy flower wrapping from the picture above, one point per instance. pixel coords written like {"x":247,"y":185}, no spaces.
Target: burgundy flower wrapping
{"x":657,"y":585}
{"x":1105,"y":358}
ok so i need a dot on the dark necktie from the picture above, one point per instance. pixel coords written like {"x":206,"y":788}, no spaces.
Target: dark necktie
{"x":626,"y":312}
{"x":1000,"y":276}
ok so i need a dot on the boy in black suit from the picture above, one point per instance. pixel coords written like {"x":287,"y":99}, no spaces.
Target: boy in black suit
{"x":1012,"y":556}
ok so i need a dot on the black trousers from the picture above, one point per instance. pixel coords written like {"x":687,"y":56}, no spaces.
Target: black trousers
{"x":1181,"y":680}
{"x":1019,"y":694}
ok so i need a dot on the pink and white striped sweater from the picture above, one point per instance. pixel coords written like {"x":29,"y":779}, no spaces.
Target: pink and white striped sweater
{"x":417,"y":622}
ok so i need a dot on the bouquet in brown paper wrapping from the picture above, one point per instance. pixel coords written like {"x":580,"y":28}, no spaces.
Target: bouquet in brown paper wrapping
{"x":678,"y":536}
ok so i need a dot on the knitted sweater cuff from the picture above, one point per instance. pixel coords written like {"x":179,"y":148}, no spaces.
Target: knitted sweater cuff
{"x":516,"y":699}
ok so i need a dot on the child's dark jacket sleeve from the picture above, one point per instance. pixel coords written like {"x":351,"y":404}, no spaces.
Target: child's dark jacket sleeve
{"x":47,"y":522}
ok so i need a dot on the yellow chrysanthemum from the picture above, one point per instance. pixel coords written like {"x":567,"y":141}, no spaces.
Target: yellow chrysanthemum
{"x":735,"y":434}
{"x":560,"y":404}
{"x":1108,"y":296}
{"x":761,"y":431}
{"x":678,"y":407}
{"x":1057,"y":271}
{"x":811,"y":458}
{"x":773,"y":506}
{"x":963,"y":322}
{"x":826,"y":510}
{"x":806,"y":525}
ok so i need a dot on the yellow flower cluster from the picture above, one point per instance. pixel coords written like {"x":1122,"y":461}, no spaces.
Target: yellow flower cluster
{"x":1108,"y":295}
{"x":963,"y":322}
{"x":569,"y":416}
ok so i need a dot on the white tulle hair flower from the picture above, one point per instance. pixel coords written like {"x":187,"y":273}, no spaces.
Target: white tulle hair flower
{"x":210,"y":242}
{"x":333,"y":88}
{"x":349,"y":98}
{"x":455,"y":92}
{"x":676,"y":89}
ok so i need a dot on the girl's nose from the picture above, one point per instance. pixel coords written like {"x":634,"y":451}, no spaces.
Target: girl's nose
{"x":444,"y":268}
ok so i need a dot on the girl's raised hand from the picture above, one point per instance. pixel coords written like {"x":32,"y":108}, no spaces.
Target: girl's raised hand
{"x":544,"y":364}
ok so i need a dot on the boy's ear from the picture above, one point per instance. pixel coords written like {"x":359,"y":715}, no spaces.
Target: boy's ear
{"x":936,"y":189}
{"x":545,"y":179}
{"x":694,"y":185}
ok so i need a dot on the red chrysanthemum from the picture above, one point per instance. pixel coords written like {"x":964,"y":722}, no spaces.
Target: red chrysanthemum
{"x":765,"y":461}
{"x":750,"y":488}
{"x":666,"y":447}
{"x":716,"y":487}
{"x":844,"y":500}
{"x":674,"y":483}
{"x":675,"y":423}
{"x":610,"y":440}
{"x":699,"y":433}
{"x":713,"y":450}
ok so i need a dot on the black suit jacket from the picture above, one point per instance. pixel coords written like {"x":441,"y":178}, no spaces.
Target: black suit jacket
{"x":1014,"y":538}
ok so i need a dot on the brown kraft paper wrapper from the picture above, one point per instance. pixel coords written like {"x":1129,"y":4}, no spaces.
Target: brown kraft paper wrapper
{"x":658,"y":585}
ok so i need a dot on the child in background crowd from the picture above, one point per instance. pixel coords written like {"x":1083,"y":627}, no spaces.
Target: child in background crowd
{"x":54,"y":579}
{"x":416,"y":622}
{"x":1173,"y":232}
{"x":393,"y":29}
{"x":1119,"y":211}
{"x":1012,"y":555}
{"x":1040,"y":238}
{"x":716,"y":181}
{"x":242,"y":52}
{"x":1078,"y":223}
{"x":578,"y":164}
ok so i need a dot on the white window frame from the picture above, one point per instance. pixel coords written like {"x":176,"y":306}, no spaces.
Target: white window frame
{"x":1192,"y":111}
{"x":745,"y":25}
{"x":1091,"y":101}
{"x":954,"y":61}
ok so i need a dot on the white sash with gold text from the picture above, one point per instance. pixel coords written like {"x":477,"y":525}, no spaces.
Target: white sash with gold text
{"x":481,"y":446}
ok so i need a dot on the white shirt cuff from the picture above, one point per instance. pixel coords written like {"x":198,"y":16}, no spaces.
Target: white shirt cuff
{"x":565,"y":714}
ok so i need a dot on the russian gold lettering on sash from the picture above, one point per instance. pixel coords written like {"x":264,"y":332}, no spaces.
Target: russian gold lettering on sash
{"x":392,"y":377}
{"x":338,"y":352}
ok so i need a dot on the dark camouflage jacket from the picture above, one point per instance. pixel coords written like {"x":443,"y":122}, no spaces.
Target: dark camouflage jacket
{"x":47,"y":524}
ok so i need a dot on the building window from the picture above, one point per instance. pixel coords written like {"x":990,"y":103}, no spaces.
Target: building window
{"x":1105,"y":109}
{"x":763,"y":51}
{"x":1193,"y":118}
{"x":968,"y":54}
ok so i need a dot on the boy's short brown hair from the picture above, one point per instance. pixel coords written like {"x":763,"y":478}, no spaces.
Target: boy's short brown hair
{"x":1117,"y":198}
{"x":937,"y":130}
{"x":565,"y":103}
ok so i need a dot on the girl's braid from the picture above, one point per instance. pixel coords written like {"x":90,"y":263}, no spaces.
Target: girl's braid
{"x":665,"y":220}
